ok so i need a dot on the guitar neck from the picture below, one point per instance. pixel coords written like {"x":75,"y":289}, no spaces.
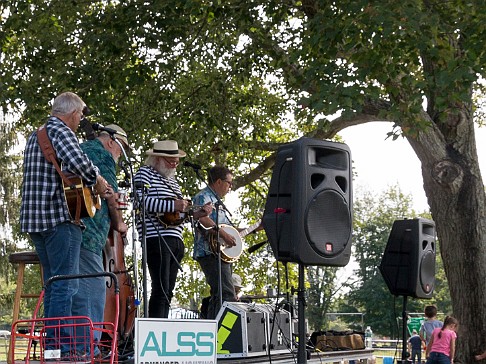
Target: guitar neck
{"x":249,"y":229}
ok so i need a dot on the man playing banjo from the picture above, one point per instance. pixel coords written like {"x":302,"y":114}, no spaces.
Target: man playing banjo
{"x":220,"y":181}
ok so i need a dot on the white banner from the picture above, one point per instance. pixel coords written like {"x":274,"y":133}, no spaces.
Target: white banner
{"x":164,"y":341}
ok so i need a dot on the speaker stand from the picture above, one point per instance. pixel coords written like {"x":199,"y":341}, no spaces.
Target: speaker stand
{"x":404,"y":333}
{"x":301,"y":348}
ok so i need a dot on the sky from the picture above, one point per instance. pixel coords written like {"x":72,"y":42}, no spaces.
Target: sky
{"x":380,"y":162}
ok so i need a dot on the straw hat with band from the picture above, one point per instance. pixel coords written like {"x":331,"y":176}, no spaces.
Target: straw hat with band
{"x":166,"y":148}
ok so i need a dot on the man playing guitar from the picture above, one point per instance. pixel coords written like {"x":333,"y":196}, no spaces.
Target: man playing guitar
{"x":44,"y":211}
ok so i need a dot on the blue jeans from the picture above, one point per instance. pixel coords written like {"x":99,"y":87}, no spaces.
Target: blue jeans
{"x":89,"y":300}
{"x":58,"y":251}
{"x":438,"y":358}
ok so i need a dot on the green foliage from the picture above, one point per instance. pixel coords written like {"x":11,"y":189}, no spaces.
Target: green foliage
{"x":321,"y":295}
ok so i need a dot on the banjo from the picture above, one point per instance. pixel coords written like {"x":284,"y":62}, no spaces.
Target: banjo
{"x":231,"y":254}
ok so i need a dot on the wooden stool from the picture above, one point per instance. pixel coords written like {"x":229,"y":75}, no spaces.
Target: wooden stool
{"x":22,"y":259}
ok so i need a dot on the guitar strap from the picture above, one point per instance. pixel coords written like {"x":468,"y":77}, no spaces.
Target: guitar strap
{"x":50,"y":155}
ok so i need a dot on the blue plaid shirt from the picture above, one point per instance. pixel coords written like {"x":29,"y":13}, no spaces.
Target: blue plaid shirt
{"x":43,"y":203}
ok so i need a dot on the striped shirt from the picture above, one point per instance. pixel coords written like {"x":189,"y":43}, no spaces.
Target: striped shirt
{"x":43,"y":203}
{"x":159,"y":196}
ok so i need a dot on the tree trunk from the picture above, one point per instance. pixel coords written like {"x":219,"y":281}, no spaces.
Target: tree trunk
{"x":455,"y":192}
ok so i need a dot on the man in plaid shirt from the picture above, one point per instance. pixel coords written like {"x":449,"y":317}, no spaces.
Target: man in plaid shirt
{"x":44,"y":212}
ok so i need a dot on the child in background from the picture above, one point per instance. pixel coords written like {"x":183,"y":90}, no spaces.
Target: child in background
{"x":429,"y":324}
{"x":415,"y":347}
{"x":442,"y":344}
{"x":480,"y":356}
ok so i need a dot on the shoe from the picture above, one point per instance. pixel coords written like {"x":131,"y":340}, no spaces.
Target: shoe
{"x":80,"y":358}
{"x":70,"y":358}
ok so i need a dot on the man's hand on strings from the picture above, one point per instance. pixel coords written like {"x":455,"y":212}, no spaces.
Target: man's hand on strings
{"x":204,"y":211}
{"x":229,"y":239}
{"x":181,"y":205}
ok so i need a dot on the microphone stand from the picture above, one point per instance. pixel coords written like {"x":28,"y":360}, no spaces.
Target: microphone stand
{"x":141,"y":206}
{"x":218,"y":251}
{"x":130,"y":174}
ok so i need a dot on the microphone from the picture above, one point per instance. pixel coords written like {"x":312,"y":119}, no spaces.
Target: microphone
{"x":126,"y":182}
{"x":257,"y":246}
{"x":141,"y":185}
{"x":192,"y":165}
{"x":99,"y":127}
{"x":86,"y":126}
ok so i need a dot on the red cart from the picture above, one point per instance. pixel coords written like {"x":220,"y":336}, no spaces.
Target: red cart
{"x":40,"y":339}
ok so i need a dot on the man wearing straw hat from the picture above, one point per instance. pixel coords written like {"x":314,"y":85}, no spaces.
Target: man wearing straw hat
{"x":165,"y":211}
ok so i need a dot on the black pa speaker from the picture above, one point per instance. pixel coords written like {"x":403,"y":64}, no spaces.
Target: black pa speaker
{"x":408,"y":263}
{"x":308,"y":212}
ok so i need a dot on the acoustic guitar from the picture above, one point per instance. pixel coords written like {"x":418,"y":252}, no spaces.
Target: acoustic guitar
{"x":231,"y":254}
{"x":90,"y":202}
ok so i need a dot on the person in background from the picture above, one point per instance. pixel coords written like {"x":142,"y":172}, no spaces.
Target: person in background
{"x":442,"y":345}
{"x":162,"y":202}
{"x":44,"y":212}
{"x":415,"y":347}
{"x":429,"y":324}
{"x":89,"y":301}
{"x":480,"y":356}
{"x":237,"y":283}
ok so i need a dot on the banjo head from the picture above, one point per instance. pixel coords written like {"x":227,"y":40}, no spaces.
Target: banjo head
{"x":231,"y":254}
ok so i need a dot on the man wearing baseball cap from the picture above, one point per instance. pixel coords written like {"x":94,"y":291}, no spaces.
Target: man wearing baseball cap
{"x":104,"y":152}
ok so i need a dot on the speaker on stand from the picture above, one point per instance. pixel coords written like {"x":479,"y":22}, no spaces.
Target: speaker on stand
{"x":408,"y":264}
{"x":308,"y":213}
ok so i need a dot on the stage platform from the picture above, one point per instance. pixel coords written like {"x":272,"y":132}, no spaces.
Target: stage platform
{"x":363,"y":356}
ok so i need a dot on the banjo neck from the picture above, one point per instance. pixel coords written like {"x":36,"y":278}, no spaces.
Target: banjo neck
{"x":250,"y":229}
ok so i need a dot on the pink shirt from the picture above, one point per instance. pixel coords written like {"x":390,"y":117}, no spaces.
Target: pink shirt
{"x":443,"y":344}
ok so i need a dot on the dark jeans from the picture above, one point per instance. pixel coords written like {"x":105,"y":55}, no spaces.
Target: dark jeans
{"x":438,"y":358}
{"x":209,"y":266}
{"x":163,"y":272}
{"x":417,"y":353}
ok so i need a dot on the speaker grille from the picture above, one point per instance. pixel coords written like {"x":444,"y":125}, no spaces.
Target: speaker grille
{"x":427,"y":271}
{"x":328,"y":224}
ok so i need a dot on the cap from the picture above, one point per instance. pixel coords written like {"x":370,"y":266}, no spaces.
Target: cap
{"x":120,"y":134}
{"x":236,"y":280}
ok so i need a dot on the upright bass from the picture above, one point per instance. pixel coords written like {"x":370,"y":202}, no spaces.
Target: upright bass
{"x":114,"y":262}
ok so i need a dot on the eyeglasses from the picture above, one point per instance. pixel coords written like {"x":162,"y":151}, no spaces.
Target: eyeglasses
{"x":81,"y":116}
{"x":171,"y":163}
{"x":230,"y":183}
